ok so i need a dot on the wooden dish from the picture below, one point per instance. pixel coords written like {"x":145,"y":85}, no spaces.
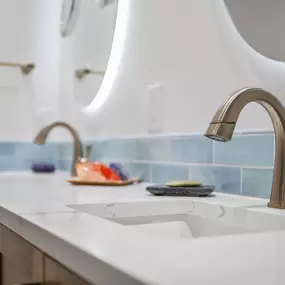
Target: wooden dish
{"x":76,"y":181}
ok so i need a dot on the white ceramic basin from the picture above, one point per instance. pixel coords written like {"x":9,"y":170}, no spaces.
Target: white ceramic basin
{"x":181,"y":226}
{"x":168,"y":219}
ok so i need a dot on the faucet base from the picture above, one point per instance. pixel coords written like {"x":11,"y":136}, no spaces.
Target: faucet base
{"x":275,"y":205}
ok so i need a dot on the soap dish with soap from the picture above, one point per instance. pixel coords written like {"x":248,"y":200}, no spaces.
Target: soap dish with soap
{"x":182,"y":188}
{"x":98,"y":174}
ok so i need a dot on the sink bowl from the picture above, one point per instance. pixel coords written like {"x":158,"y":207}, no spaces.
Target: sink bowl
{"x":169,"y":219}
{"x":180,"y":226}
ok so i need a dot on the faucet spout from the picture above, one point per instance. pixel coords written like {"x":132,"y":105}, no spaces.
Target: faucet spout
{"x":77,"y":148}
{"x":224,"y":121}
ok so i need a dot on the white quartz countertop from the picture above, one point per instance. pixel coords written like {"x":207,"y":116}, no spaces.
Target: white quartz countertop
{"x":37,"y":207}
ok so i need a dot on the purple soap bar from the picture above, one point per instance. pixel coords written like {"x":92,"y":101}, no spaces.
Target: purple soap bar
{"x":43,"y":168}
{"x":120,"y":170}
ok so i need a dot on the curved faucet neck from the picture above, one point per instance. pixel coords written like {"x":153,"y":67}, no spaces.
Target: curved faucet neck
{"x":223,"y":125}
{"x":231,"y":108}
{"x":77,"y":145}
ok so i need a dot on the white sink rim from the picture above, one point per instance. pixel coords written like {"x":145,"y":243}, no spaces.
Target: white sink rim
{"x":118,"y":211}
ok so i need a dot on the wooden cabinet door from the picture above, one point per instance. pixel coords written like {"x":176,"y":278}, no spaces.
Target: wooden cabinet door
{"x":55,"y":273}
{"x":21,"y":262}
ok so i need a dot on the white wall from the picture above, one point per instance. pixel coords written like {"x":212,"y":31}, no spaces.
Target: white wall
{"x":29,"y":33}
{"x":193,"y":49}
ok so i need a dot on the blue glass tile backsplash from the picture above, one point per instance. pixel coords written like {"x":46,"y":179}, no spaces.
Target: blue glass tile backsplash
{"x":163,"y":173}
{"x":257,"y":182}
{"x":194,"y":149}
{"x":226,"y":179}
{"x":243,"y":166}
{"x":154,"y":149}
{"x":17,"y":156}
{"x":7,"y":149}
{"x":246,"y":150}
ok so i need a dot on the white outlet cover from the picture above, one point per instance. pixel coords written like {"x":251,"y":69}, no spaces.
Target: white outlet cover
{"x":155,"y":108}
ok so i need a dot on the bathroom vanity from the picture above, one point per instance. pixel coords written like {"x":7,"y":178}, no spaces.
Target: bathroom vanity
{"x":23,"y":263}
{"x":52,"y":232}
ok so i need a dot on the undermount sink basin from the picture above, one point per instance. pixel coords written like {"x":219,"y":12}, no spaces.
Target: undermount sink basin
{"x":167,"y":219}
{"x":180,"y":226}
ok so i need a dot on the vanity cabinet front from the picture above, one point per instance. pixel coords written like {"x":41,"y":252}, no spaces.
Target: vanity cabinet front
{"x":21,"y":262}
{"x":24,"y":264}
{"x":55,"y":273}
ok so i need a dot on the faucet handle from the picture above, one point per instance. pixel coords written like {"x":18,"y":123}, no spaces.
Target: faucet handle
{"x":88,"y":150}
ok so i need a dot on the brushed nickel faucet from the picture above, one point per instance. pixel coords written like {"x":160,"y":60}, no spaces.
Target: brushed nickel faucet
{"x":224,"y":121}
{"x":78,"y":153}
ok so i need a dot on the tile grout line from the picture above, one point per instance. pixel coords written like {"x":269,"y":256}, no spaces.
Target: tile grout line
{"x":274,"y":150}
{"x":175,"y":136}
{"x":241,"y":180}
{"x":169,"y":149}
{"x":213,"y":152}
{"x":242,"y":132}
{"x":189,"y":173}
{"x":198,"y":164}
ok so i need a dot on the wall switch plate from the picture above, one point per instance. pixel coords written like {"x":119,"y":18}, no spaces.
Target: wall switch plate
{"x":155,"y":108}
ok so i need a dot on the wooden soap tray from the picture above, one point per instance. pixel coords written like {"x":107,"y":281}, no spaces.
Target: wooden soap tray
{"x":76,"y":181}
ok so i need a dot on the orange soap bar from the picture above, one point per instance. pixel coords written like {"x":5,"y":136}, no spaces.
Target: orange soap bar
{"x":95,"y":171}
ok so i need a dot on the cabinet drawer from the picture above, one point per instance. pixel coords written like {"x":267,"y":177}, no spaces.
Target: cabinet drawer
{"x":21,"y":254}
{"x":55,"y":273}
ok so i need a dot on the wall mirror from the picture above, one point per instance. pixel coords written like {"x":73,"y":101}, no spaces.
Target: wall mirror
{"x":69,"y":14}
{"x":92,"y":39}
{"x":261,"y":23}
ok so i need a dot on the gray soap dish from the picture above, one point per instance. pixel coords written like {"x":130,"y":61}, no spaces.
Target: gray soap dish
{"x":197,"y":191}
